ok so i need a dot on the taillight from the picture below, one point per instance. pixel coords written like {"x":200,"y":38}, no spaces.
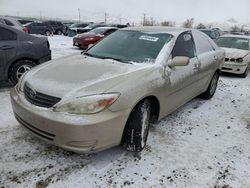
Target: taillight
{"x":26,"y":30}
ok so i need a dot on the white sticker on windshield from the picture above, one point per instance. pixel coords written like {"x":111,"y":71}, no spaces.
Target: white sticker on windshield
{"x":149,"y":38}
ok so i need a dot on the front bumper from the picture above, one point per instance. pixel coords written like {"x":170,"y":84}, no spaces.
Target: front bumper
{"x":80,"y":44}
{"x":235,"y":68}
{"x":77,"y":133}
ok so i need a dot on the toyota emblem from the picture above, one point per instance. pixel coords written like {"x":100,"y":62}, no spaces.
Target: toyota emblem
{"x":32,"y":94}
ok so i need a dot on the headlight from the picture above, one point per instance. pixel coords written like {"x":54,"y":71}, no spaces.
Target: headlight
{"x":239,"y":60}
{"x":19,"y":85}
{"x":87,"y":104}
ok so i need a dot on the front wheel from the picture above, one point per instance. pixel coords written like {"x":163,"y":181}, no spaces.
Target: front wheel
{"x":59,"y":32}
{"x":19,"y":68}
{"x":136,"y":130}
{"x":209,"y":93}
{"x":244,"y":75}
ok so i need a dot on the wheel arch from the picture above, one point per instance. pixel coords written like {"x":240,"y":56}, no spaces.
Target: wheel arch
{"x":9,"y":69}
{"x":155,"y":107}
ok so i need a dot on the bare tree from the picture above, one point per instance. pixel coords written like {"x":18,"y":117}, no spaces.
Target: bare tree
{"x":235,"y":29}
{"x":189,"y":23}
{"x":201,"y":26}
{"x":149,"y":22}
{"x":168,"y":23}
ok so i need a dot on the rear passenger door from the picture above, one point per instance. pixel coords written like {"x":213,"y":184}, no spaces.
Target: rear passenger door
{"x":8,"y":50}
{"x":207,"y":57}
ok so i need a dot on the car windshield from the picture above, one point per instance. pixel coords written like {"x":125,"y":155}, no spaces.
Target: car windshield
{"x":98,"y":30}
{"x":233,"y":42}
{"x":130,"y":46}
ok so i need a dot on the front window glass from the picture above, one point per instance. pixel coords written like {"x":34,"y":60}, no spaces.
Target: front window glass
{"x":233,"y":42}
{"x":131,"y":46}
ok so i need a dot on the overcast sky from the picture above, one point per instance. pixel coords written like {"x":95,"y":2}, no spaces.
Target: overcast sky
{"x":131,"y":10}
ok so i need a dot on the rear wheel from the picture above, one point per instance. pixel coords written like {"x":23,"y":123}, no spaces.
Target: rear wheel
{"x":47,"y":33}
{"x":19,"y":68}
{"x":209,"y":93}
{"x":136,"y":130}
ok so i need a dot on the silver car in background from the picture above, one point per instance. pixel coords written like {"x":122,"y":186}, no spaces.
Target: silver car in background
{"x":110,"y":94}
{"x":237,"y":49}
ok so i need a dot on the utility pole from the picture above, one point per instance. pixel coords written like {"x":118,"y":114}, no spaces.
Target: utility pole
{"x":79,"y":14}
{"x":105,"y":17}
{"x":144,"y":19}
{"x":40,"y":15}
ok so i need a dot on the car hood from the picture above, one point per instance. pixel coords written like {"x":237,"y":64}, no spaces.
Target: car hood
{"x":235,"y":53}
{"x":79,"y":73}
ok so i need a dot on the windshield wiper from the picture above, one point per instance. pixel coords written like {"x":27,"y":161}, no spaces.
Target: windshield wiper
{"x":91,"y":55}
{"x":103,"y":57}
{"x":117,"y":59}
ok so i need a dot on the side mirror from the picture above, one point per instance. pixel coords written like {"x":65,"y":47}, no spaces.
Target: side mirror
{"x":179,"y":61}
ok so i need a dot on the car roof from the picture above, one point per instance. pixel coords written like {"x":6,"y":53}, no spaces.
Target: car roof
{"x":237,"y":36}
{"x":161,"y":29}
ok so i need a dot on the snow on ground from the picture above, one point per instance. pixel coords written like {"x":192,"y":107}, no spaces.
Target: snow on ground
{"x":202,"y":144}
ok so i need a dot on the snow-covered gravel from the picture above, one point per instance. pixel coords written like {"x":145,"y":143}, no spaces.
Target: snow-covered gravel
{"x":203,"y":144}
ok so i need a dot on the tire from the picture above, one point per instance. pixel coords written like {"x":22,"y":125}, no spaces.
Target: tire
{"x":209,"y":93}
{"x":137,"y":127}
{"x":19,"y":68}
{"x":244,"y":75}
{"x":59,"y":32}
{"x":47,"y":33}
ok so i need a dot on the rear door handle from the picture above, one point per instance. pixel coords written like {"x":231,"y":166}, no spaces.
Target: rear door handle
{"x":6,"y":47}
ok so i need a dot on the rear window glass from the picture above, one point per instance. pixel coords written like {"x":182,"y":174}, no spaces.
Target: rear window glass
{"x":8,"y":22}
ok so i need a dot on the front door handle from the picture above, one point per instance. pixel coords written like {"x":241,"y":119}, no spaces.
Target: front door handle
{"x":6,"y":47}
{"x":197,"y":66}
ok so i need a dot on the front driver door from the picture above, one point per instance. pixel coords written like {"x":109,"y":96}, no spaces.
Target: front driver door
{"x":182,"y":80}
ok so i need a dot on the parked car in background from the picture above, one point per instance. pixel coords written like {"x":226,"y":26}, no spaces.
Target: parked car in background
{"x":212,"y":33}
{"x":120,"y":26}
{"x":85,"y":39}
{"x":19,"y":52}
{"x":110,"y":94}
{"x":25,"y":21}
{"x":38,"y":28}
{"x":237,"y":49}
{"x":89,"y":28}
{"x":12,"y":23}
{"x":58,"y":27}
{"x":76,"y":28}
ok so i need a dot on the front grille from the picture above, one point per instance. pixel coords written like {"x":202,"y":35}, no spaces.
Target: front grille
{"x":39,"y":99}
{"x":41,"y":133}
